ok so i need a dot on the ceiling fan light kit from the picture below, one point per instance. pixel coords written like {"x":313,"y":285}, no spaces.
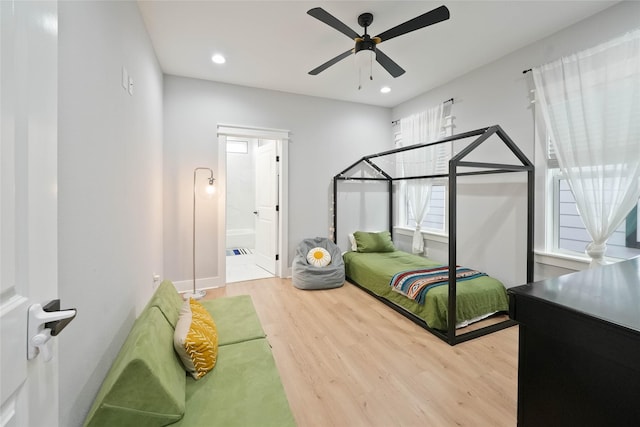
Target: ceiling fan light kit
{"x":366,"y":46}
{"x":364,"y":62}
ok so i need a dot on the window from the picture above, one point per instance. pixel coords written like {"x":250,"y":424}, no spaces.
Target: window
{"x":632,"y":230}
{"x":589,"y":102}
{"x":435,"y":219}
{"x":570,"y":234}
{"x":237,"y":146}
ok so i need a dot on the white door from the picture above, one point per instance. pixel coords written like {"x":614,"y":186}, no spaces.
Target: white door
{"x":266,"y":205}
{"x":28,"y":205}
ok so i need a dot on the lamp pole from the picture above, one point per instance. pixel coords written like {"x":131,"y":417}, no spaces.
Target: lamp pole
{"x":197,"y":294}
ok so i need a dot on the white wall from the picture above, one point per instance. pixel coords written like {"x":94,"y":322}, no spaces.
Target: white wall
{"x":498,"y":93}
{"x":110,"y":189}
{"x":362,"y":206}
{"x":326,"y":137}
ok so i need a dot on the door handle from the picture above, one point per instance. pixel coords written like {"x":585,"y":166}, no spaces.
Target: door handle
{"x":44,"y":323}
{"x":255,"y":212}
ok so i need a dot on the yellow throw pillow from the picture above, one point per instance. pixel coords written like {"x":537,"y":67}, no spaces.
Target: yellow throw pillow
{"x":196,"y":339}
{"x":319,"y":257}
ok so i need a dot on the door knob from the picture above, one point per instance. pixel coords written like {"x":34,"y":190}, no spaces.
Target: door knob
{"x":40,"y":342}
{"x":44,"y":323}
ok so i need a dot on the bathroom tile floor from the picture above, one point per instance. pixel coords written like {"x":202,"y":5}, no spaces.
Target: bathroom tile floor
{"x":243,"y":267}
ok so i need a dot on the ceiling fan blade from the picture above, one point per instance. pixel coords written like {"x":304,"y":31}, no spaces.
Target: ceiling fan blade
{"x":324,"y":16}
{"x":432,"y":17}
{"x":388,"y":64}
{"x":330,"y":62}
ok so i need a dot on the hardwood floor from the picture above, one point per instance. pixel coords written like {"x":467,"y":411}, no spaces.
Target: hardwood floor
{"x":346,"y":359}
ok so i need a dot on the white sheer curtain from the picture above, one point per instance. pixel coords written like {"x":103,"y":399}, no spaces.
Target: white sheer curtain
{"x":590,"y":102}
{"x":418,"y":129}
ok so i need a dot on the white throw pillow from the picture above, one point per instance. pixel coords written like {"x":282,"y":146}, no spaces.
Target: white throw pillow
{"x":352,"y":241}
{"x":319,"y":257}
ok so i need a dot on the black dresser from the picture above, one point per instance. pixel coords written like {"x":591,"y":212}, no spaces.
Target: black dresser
{"x":579,"y":357}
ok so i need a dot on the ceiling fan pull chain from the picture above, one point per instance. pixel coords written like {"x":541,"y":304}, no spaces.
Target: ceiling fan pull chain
{"x":371,"y":67}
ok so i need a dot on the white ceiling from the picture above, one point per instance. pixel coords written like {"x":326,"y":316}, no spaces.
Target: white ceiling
{"x":274,"y":44}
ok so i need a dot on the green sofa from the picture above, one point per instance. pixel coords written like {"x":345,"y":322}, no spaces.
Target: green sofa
{"x":148,"y":386}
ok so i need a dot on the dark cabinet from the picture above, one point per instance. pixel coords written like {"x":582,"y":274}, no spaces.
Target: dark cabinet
{"x":579,"y":355}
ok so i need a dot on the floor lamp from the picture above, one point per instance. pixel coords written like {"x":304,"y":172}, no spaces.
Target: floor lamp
{"x":197,"y":294}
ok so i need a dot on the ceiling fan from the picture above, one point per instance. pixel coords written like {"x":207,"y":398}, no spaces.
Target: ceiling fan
{"x":366,"y":43}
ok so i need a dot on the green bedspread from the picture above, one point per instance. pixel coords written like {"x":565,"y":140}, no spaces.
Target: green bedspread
{"x":475,"y":297}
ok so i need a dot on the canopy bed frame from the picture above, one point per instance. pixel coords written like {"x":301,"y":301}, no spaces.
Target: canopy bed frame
{"x":455,"y":163}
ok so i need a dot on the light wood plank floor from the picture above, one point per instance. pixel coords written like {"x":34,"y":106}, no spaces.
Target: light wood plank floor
{"x":346,"y":359}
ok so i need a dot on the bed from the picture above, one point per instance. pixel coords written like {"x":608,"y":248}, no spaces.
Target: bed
{"x":371,"y":271}
{"x":477,"y":298}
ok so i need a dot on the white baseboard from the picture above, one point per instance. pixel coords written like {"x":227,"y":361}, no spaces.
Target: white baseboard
{"x":206,"y":283}
{"x":212,"y":282}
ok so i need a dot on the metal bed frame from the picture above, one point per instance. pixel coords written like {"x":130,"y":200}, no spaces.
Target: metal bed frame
{"x":455,"y":162}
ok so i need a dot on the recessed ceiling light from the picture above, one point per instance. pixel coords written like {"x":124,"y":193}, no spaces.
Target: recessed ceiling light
{"x":218,"y":59}
{"x":385,"y":89}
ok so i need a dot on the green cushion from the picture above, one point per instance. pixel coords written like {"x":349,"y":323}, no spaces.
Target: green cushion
{"x":374,"y":242}
{"x":236,"y":319}
{"x":168,"y":300}
{"x":146,"y":383}
{"x":244,"y":389}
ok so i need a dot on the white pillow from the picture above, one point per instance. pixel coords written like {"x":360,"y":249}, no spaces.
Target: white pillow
{"x":319,"y":257}
{"x":352,"y":240}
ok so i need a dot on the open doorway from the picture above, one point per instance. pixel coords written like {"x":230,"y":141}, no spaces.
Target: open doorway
{"x":253,"y":162}
{"x":251,"y":229}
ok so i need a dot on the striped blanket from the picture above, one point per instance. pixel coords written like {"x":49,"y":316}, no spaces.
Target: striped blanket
{"x":415,"y":284}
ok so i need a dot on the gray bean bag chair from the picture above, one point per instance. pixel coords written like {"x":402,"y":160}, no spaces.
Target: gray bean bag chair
{"x":309,"y":276}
